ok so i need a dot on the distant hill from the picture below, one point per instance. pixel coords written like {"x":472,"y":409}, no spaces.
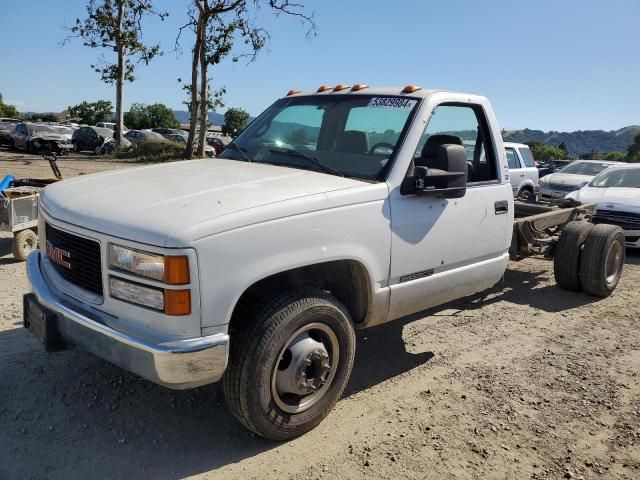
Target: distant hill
{"x":582,"y":141}
{"x":183,"y":117}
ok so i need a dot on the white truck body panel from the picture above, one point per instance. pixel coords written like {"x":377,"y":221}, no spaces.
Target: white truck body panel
{"x":241,"y":222}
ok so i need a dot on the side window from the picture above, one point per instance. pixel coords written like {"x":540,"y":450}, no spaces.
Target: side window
{"x":464,"y":125}
{"x":512,"y":159}
{"x":527,"y":157}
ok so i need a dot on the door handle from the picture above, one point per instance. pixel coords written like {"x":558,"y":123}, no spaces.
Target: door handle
{"x":501,"y":207}
{"x":522,"y":174}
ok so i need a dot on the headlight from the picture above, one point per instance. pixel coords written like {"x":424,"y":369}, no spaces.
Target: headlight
{"x":171,"y":302}
{"x":135,"y":293}
{"x":173,"y":270}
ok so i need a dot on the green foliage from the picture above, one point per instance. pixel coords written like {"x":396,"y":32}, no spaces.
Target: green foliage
{"x":8,"y":110}
{"x":543,"y":153}
{"x":152,"y":151}
{"x":633,"y":152}
{"x":615,"y":157}
{"x":235,"y":120}
{"x":142,"y":116}
{"x":91,"y":113}
{"x":41,"y":117}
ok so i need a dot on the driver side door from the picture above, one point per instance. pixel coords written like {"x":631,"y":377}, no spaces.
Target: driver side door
{"x":444,"y":249}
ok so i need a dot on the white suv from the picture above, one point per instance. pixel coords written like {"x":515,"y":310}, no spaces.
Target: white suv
{"x":523,"y":174}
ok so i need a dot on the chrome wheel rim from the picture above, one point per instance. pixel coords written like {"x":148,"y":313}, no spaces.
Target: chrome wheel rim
{"x":614,"y":261}
{"x":305,"y":368}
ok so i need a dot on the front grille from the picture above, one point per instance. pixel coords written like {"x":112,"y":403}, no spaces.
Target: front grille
{"x":562,"y":187}
{"x":84,"y":259}
{"x":625,"y":220}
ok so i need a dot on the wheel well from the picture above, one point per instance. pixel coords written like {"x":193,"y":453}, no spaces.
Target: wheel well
{"x":347,"y":280}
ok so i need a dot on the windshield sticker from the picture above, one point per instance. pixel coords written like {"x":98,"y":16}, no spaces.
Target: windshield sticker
{"x":392,"y":102}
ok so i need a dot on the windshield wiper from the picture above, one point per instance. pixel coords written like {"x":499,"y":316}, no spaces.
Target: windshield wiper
{"x":238,"y":149}
{"x":313,"y":160}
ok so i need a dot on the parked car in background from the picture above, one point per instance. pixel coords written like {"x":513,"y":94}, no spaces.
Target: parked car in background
{"x":551,"y":166}
{"x":572,"y":177}
{"x":170,"y":131}
{"x":616,"y":192}
{"x":218,"y":143}
{"x":137,"y":136}
{"x":35,"y":137}
{"x":95,"y":139}
{"x":5,"y":133}
{"x":523,"y":174}
{"x":209,"y":151}
{"x":9,"y":120}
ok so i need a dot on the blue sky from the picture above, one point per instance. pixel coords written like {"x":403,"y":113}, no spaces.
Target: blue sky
{"x":544,"y":64}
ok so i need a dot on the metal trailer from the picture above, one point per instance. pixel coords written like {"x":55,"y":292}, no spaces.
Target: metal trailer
{"x":586,"y":257}
{"x":19,"y":210}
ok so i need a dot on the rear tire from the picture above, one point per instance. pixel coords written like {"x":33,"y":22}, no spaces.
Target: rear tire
{"x":526,"y":195}
{"x":298,"y":340}
{"x":24,"y":242}
{"x":566,"y":257}
{"x":602,"y":260}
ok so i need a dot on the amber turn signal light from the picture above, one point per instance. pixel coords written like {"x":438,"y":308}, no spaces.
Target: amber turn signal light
{"x":411,"y":89}
{"x":177,"y":302}
{"x":293,"y":92}
{"x":176,"y":270}
{"x":359,"y":86}
{"x":337,"y":88}
{"x":324,"y":88}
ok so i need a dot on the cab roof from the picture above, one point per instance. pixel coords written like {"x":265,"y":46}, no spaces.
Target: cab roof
{"x":360,"y":89}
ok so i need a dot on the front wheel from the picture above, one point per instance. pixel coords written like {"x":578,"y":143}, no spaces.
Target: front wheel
{"x":289,"y":363}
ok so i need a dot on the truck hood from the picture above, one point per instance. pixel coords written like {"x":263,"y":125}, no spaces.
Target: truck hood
{"x":614,"y":196}
{"x":167,"y":205}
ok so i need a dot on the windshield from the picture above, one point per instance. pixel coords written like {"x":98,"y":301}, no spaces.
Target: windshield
{"x":622,"y":177}
{"x":350,"y":135}
{"x":585,"y":168}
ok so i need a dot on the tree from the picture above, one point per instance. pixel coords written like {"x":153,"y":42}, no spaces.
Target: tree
{"x":543,"y":152}
{"x":633,"y":152}
{"x":217,"y":25}
{"x":615,"y":157}
{"x":41,"y":117}
{"x":91,"y":113}
{"x":235,"y":120}
{"x":116,"y":25}
{"x":150,"y":116}
{"x":563,"y":147}
{"x":8,"y":110}
{"x":591,"y":155}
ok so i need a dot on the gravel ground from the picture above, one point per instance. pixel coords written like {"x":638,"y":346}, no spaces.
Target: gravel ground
{"x":523,"y":381}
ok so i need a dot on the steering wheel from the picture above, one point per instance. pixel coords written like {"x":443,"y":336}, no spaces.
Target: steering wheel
{"x":390,"y":146}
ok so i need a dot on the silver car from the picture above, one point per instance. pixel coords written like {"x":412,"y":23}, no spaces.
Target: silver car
{"x":572,"y":177}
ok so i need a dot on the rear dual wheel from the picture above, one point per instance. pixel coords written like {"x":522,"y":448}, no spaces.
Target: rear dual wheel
{"x":589,"y":258}
{"x":289,"y":363}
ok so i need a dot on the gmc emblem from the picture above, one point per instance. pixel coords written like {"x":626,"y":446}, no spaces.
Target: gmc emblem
{"x":59,"y":256}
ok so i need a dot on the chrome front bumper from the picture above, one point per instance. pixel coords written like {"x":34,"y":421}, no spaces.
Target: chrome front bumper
{"x":180,"y":364}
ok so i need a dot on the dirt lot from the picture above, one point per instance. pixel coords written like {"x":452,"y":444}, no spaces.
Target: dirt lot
{"x":524,"y":381}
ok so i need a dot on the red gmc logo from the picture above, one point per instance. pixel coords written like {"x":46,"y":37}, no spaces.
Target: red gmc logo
{"x":59,"y":256}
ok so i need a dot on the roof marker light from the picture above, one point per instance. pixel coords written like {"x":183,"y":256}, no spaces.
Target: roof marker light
{"x":324,"y":88}
{"x":293,"y":92}
{"x":359,"y":86}
{"x":411,"y":89}
{"x":337,"y":88}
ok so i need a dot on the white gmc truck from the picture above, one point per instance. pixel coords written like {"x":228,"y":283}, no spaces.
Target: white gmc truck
{"x":336,"y":209}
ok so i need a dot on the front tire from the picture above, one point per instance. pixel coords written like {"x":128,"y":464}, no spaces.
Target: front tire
{"x":289,"y":363}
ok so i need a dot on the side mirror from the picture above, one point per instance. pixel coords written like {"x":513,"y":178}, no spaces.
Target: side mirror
{"x":446,"y":176}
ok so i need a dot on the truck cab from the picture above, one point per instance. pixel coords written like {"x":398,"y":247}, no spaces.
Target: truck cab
{"x":337,"y":208}
{"x":523,"y":173}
